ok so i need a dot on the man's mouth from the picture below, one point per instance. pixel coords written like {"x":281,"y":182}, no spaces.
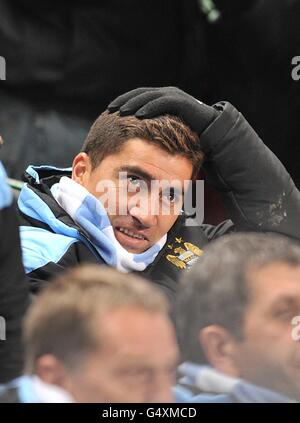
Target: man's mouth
{"x":131,"y":240}
{"x":130,"y":233}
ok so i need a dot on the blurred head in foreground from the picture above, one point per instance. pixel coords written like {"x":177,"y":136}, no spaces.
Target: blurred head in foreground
{"x":102,"y":336}
{"x":239,"y":311}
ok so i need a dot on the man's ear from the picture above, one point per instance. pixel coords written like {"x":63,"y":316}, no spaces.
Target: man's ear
{"x":51,"y":370}
{"x":220,"y":349}
{"x":81,"y":168}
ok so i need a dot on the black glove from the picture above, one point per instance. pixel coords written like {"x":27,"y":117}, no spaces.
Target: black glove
{"x":151,"y":102}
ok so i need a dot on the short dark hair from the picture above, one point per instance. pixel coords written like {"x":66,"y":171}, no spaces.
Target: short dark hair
{"x":110,"y":131}
{"x":218,"y":288}
{"x":62,"y":321}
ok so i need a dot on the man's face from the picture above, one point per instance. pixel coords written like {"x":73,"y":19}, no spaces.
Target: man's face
{"x":136,"y":360}
{"x":140,"y":214}
{"x":268,"y":355}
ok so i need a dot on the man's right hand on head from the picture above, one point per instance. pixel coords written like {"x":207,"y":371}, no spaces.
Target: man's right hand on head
{"x":151,"y":102}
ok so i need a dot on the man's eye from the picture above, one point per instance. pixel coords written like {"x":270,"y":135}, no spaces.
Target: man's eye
{"x":285,"y":314}
{"x":134,"y":181}
{"x":171,"y":197}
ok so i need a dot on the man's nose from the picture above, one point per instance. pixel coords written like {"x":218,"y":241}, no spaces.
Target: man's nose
{"x":143,"y":214}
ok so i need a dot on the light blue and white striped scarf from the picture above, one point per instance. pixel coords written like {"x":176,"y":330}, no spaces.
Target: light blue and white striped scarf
{"x":88,"y":212}
{"x":6,"y":197}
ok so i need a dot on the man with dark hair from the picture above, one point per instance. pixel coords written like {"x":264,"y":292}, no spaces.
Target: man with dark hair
{"x":110,"y":132}
{"x":137,"y":159}
{"x":96,"y":335}
{"x":238,"y":315}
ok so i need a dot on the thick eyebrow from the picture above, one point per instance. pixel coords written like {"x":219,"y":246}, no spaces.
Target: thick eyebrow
{"x":137,"y":171}
{"x":285,"y":300}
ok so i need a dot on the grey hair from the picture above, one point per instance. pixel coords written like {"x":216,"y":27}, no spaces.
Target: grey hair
{"x":218,"y":288}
